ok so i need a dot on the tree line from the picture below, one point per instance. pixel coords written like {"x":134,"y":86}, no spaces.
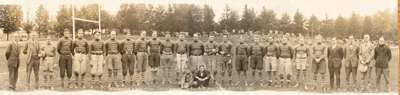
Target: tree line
{"x":199,"y":19}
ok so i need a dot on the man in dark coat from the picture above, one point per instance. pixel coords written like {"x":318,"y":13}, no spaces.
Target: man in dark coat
{"x":382,"y":56}
{"x":335,"y":56}
{"x":12,"y":56}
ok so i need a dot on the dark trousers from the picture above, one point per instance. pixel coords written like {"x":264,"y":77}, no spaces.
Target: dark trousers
{"x":379,"y":72}
{"x":199,"y":83}
{"x":128,"y":64}
{"x":154,"y":60}
{"x":65,"y":64}
{"x":334,"y":75}
{"x":13,"y":65}
{"x":33,"y":64}
{"x":351,"y":71}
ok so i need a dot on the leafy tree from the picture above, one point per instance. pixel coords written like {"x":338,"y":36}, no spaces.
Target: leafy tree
{"x":354,"y":25}
{"x":285,"y":23}
{"x":367,"y":26}
{"x":314,"y":25}
{"x":327,"y":27}
{"x":266,"y":21}
{"x":247,"y":23}
{"x":299,"y":22}
{"x":207,"y":23}
{"x":340,"y":26}
{"x":10,"y":18}
{"x":194,"y":18}
{"x":229,"y":20}
{"x":42,"y":20}
{"x":64,"y":19}
{"x":123,"y":16}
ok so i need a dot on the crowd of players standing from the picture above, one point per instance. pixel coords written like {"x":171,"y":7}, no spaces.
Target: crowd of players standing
{"x":273,"y":60}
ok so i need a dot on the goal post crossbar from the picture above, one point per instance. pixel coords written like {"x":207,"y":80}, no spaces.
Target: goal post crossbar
{"x":86,"y":20}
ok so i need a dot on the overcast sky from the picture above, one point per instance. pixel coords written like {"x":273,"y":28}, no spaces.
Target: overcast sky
{"x":320,"y":8}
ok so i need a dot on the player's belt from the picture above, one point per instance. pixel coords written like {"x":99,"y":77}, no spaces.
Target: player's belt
{"x":167,"y":53}
{"x":155,"y":52}
{"x":181,"y":52}
{"x":81,"y":52}
{"x":284,"y":56}
{"x":65,"y":53}
{"x":50,"y":56}
{"x":257,"y":54}
{"x":196,"y":54}
{"x":112,"y":53}
{"x":129,"y":52}
{"x":270,"y":55}
{"x":97,"y":53}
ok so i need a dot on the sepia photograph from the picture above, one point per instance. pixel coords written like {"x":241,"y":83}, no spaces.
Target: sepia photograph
{"x":197,"y":47}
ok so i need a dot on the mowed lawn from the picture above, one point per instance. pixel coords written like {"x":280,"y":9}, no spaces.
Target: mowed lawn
{"x":22,"y":72}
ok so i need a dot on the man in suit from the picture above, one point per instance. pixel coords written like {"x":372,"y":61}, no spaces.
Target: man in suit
{"x":32,"y":49}
{"x":351,"y":62}
{"x":13,"y":60}
{"x":335,"y":58}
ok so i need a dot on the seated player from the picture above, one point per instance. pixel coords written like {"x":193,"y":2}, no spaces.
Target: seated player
{"x":202,"y":77}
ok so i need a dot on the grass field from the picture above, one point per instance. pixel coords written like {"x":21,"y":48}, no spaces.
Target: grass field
{"x":21,"y":84}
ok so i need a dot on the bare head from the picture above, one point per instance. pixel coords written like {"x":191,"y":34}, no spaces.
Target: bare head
{"x":97,"y":35}
{"x":351,"y":40}
{"x":16,"y":36}
{"x":154,"y":34}
{"x":181,"y":36}
{"x":202,"y":67}
{"x":80,"y":33}
{"x":143,"y":34}
{"x":67,"y":33}
{"x":211,"y":38}
{"x":33,"y":36}
{"x":381,"y":41}
{"x":334,"y":41}
{"x":366,"y":37}
{"x":113,"y":34}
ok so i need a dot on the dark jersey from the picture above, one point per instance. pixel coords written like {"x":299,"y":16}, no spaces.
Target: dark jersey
{"x":81,"y":46}
{"x":155,"y":46}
